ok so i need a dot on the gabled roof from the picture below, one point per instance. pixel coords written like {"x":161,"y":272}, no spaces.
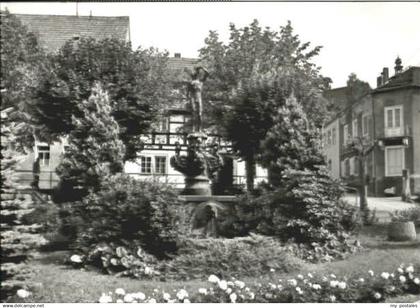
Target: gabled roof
{"x":408,"y":78}
{"x":54,"y":30}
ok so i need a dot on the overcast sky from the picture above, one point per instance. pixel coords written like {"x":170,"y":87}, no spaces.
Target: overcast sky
{"x":356,"y":37}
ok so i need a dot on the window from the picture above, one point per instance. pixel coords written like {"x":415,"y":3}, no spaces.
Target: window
{"x":394,"y":161}
{"x":355,"y":128}
{"x":329,"y":138}
{"x":44,"y":155}
{"x":334,"y":136}
{"x":145,"y":164}
{"x":164,"y":125}
{"x":365,"y":125}
{"x":346,"y":167}
{"x":345,"y":134}
{"x":160,"y":164}
{"x":393,"y":121}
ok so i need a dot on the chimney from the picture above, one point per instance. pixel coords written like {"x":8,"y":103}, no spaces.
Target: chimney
{"x":385,"y":75}
{"x":177,"y":55}
{"x":378,"y":81}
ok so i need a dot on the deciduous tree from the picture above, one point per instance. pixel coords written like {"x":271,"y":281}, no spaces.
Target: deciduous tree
{"x":277,"y":62}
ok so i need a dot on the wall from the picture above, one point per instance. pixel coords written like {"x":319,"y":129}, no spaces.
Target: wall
{"x":381,"y":100}
{"x":416,"y":140}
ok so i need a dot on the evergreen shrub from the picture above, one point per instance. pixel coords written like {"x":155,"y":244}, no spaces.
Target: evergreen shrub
{"x":125,"y":210}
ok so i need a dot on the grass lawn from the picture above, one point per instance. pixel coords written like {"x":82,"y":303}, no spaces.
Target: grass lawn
{"x":59,"y":283}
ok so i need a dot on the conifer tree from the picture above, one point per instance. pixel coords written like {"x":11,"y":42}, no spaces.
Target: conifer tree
{"x":17,"y":238}
{"x":291,"y":143}
{"x":94,"y":151}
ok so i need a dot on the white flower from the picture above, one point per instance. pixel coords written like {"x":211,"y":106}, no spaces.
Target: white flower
{"x":272,"y":286}
{"x":230,"y":283}
{"x":342,"y":285}
{"x":240,"y":284}
{"x":233,"y":297}
{"x":392,"y":275}
{"x":416,"y":280}
{"x":129,"y":298}
{"x":316,"y":286}
{"x":119,"y":291}
{"x":392,"y":288}
{"x":324,"y":279}
{"x":202,"y":291}
{"x":371,"y":273}
{"x":385,"y":275}
{"x":105,"y":299}
{"x":166,"y":296}
{"x":76,"y":259}
{"x":213,"y":279}
{"x":403,"y":279}
{"x":22,"y":293}
{"x":400,"y":270}
{"x":299,"y":290}
{"x":186,"y":301}
{"x":152,"y":301}
{"x":251,"y":295}
{"x":332,"y":298}
{"x":139,"y":295}
{"x":228,"y":290}
{"x":409,"y":269}
{"x":377,"y":295}
{"x":292,"y":282}
{"x":280,"y":287}
{"x":333,"y":276}
{"x":333,"y":283}
{"x":300,"y":277}
{"x":148,"y":270}
{"x":361,"y":279}
{"x":222,"y":284}
{"x":310,"y":275}
{"x":272,"y":270}
{"x":182,"y":294}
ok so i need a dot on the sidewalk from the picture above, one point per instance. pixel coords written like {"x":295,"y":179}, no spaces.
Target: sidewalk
{"x":388,"y":204}
{"x":382,"y":205}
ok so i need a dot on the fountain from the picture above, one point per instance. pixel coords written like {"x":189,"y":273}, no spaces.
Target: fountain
{"x":200,"y":167}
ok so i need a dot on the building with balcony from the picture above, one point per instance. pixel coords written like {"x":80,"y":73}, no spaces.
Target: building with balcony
{"x":396,"y":111}
{"x":386,"y":123}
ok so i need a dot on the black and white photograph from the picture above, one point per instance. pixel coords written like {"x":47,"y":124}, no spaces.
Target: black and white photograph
{"x":210,"y":152}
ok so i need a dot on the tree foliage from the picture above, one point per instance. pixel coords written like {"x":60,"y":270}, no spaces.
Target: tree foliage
{"x":21,"y":61}
{"x":250,"y":78}
{"x":292,"y":143}
{"x":18,"y":239}
{"x":94,"y":151}
{"x":137,"y":83}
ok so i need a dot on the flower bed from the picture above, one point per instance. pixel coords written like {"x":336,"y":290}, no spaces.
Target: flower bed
{"x":309,"y":288}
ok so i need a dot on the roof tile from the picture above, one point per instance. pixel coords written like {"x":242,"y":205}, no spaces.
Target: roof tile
{"x":55,"y":30}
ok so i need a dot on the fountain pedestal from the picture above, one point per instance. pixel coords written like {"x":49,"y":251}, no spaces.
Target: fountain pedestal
{"x":201,"y":210}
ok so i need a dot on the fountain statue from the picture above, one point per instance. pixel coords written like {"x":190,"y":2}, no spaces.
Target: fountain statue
{"x":200,"y":166}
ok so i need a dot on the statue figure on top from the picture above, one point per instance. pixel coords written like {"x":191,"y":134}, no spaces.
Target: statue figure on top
{"x":194,"y":92}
